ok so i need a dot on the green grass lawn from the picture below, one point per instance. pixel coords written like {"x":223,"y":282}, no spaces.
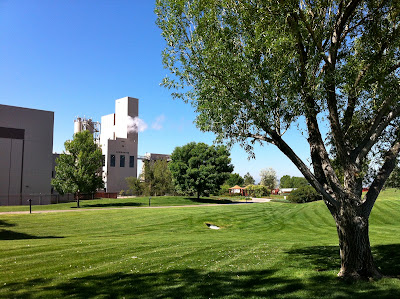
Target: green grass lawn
{"x":267,"y":250}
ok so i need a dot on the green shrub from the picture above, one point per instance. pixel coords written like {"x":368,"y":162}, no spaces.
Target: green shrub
{"x":257,"y":190}
{"x":224,"y":190}
{"x":304,"y":194}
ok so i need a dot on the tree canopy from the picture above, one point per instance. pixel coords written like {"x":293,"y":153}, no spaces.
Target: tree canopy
{"x":200,"y":169}
{"x":157,"y":178}
{"x":78,"y":169}
{"x":248,"y":179}
{"x":135,"y":186}
{"x":254,"y":69}
{"x":292,"y":182}
{"x":234,"y":179}
{"x":268,"y":178}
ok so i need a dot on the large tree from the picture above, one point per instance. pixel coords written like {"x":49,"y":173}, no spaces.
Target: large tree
{"x":248,"y":179}
{"x":292,"y":182}
{"x":268,"y":178}
{"x":198,"y":168}
{"x":234,"y":179}
{"x":157,"y":178}
{"x":252,"y":69}
{"x":78,"y":169}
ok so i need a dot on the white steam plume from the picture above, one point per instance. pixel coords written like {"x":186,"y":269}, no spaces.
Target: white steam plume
{"x":136,"y":125}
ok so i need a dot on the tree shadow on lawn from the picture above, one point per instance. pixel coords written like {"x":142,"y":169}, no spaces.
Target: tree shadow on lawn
{"x":12,"y":235}
{"x":6,"y":224}
{"x":6,"y":234}
{"x":108,"y":205}
{"x":327,"y":258}
{"x":188,"y":283}
{"x":185,"y":283}
{"x":210,"y":200}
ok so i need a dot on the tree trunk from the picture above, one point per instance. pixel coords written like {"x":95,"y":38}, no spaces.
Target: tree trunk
{"x":355,"y":250}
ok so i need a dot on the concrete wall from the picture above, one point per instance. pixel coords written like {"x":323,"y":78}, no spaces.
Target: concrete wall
{"x":26,"y":159}
{"x":115,"y":175}
{"x":107,"y":128}
{"x":126,"y":109}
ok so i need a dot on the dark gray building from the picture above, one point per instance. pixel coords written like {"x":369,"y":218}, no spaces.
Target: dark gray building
{"x":26,"y":144}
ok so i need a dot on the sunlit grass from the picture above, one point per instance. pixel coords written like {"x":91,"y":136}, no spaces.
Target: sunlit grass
{"x":261,"y":251}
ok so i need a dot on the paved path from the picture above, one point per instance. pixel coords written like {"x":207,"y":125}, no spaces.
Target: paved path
{"x":261,"y":199}
{"x":253,"y":200}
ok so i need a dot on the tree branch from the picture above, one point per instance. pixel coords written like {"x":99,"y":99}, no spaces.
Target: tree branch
{"x":317,"y":43}
{"x":386,"y":169}
{"x":378,"y":125}
{"x":343,"y":17}
{"x":286,"y":149}
{"x":321,"y":163}
{"x":258,"y":137}
{"x":352,"y":97}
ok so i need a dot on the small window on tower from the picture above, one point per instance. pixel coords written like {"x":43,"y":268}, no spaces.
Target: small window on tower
{"x":122,"y":161}
{"x":131,"y":161}
{"x":112,"y":160}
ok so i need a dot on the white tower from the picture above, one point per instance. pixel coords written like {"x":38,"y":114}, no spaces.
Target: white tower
{"x":119,"y":143}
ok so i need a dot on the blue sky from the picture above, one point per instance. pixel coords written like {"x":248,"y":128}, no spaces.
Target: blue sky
{"x":77,"y":57}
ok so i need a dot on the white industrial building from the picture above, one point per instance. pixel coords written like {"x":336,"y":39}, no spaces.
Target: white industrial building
{"x":119,"y":144}
{"x":26,"y":144}
{"x":117,"y":136}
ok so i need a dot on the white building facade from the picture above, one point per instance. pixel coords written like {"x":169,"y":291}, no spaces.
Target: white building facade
{"x":26,"y":144}
{"x":119,"y":144}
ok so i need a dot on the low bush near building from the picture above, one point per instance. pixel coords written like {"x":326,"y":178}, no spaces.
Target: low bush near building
{"x":258,"y":190}
{"x":304,"y":194}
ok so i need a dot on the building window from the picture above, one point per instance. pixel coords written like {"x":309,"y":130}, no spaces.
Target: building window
{"x":131,"y":161}
{"x":103,"y":159}
{"x":122,"y":161}
{"x":112,"y":160}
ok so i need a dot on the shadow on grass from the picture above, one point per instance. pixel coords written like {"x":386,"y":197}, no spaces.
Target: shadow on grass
{"x":106,"y":205}
{"x":327,"y":258}
{"x":210,"y":200}
{"x":189,"y":283}
{"x":387,"y":258}
{"x":6,"y":224}
{"x":11,"y":235}
{"x":6,"y":234}
{"x":185,"y":283}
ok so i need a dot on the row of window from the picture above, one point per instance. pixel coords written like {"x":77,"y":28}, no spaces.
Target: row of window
{"x":122,"y":161}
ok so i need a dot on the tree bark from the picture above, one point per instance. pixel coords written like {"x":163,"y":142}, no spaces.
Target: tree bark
{"x":355,"y":250}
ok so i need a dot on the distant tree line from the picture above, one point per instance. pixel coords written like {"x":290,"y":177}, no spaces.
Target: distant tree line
{"x":195,"y":169}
